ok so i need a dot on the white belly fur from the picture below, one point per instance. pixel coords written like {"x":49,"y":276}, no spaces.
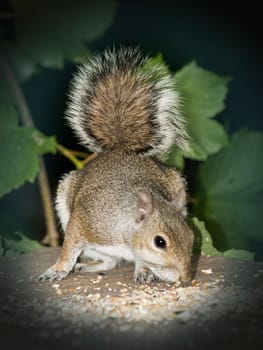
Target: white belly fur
{"x":100,"y":252}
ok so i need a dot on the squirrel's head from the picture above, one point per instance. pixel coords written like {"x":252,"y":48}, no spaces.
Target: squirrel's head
{"x":163,"y":242}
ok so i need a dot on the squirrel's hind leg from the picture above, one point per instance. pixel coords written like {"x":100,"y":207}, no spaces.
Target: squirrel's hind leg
{"x":95,"y":266}
{"x":99,"y":261}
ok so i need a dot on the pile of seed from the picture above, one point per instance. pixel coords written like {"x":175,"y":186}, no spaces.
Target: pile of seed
{"x":124,"y":307}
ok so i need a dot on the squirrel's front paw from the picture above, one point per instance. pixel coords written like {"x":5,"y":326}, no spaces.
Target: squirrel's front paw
{"x":144,"y":275}
{"x":53,"y":275}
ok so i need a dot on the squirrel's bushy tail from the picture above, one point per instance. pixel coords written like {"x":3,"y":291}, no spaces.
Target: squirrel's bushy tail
{"x":121,"y":99}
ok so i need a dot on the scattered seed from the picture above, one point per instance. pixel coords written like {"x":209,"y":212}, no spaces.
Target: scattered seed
{"x":55,"y":286}
{"x":59,"y":291}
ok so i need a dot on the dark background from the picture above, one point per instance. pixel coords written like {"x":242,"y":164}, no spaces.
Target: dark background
{"x":223,"y":37}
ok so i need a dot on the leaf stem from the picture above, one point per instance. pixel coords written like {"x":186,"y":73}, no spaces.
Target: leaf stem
{"x":70,"y":155}
{"x":89,"y":158}
{"x":52,"y":236}
{"x":79,"y":154}
{"x":73,"y":154}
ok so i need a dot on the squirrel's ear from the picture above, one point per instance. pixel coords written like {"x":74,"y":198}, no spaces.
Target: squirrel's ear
{"x":144,"y":205}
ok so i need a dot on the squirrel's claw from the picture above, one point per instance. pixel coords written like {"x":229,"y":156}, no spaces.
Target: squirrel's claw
{"x":52,"y":275}
{"x":144,"y":275}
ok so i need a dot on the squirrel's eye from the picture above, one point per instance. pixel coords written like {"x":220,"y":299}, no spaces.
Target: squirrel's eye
{"x":160,"y":242}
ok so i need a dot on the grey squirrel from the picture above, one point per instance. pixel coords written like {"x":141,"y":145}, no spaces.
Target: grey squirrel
{"x":124,"y":204}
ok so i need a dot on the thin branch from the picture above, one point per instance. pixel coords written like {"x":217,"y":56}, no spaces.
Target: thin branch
{"x":52,"y":236}
{"x":7,"y":15}
{"x":20,"y":101}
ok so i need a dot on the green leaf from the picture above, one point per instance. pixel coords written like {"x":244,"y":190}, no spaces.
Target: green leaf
{"x":203,"y":94}
{"x":203,"y":241}
{"x":155,"y":64}
{"x":239,"y":254}
{"x":44,"y":144}
{"x":19,"y":245}
{"x":48,"y":32}
{"x":230,"y":191}
{"x":204,"y":244}
{"x":175,"y":158}
{"x":19,"y":150}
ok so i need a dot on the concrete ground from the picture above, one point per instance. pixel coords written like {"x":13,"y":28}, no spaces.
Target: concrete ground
{"x":222,"y":307}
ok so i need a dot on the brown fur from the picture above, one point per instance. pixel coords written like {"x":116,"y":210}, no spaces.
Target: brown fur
{"x":105,"y":211}
{"x":117,"y":98}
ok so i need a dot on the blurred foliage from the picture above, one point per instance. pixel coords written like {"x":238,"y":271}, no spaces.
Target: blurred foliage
{"x":230,"y":191}
{"x":204,"y":244}
{"x":20,"y":149}
{"x":60,"y":32}
{"x":203,"y":94}
{"x":19,"y":244}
